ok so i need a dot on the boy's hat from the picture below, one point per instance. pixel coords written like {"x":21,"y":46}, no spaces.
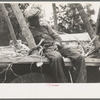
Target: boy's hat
{"x":32,"y":10}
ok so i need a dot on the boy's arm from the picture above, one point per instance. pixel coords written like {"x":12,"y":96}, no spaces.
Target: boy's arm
{"x":55,"y":36}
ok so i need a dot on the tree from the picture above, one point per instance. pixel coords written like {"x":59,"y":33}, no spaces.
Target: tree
{"x":25,"y":29}
{"x":69,"y":20}
{"x":4,"y":30}
{"x":97,"y":29}
{"x":87,"y":23}
{"x":89,"y":12}
{"x":13,"y":20}
{"x":55,"y":16}
{"x":12,"y":33}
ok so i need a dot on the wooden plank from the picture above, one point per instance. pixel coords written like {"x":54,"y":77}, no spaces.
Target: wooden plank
{"x":11,"y":58}
{"x":25,"y":60}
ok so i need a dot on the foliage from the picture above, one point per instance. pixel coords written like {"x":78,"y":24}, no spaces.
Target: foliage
{"x":69,"y":20}
{"x":88,"y":10}
{"x":23,"y":6}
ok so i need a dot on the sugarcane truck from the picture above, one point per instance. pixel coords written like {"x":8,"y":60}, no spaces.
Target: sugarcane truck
{"x":28,"y":69}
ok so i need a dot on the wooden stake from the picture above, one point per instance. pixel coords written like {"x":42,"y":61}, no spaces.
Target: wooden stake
{"x":25,"y":29}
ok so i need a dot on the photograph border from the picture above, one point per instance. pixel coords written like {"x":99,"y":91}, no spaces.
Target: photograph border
{"x":87,"y":91}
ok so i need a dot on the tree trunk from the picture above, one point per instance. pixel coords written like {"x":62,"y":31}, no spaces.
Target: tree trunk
{"x":55,"y":16}
{"x":97,"y":29}
{"x":87,"y":24}
{"x":25,"y":29}
{"x":12,"y":33}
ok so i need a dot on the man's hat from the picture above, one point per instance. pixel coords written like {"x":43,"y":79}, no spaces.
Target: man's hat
{"x":31,"y":11}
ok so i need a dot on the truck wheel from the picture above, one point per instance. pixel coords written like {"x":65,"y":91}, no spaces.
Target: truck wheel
{"x":33,"y":78}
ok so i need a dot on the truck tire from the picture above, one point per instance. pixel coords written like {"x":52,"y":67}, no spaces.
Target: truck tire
{"x":33,"y":78}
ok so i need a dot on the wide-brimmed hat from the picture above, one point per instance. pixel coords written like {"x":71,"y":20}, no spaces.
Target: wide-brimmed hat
{"x":31,"y":11}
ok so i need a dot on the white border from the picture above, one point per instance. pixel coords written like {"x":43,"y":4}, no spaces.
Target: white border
{"x":36,"y":90}
{"x":50,"y":1}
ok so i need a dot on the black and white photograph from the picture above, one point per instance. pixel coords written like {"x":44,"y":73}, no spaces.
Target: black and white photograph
{"x":49,"y":42}
{"x":49,"y":49}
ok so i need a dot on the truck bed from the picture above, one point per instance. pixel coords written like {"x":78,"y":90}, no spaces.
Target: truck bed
{"x":8,"y":56}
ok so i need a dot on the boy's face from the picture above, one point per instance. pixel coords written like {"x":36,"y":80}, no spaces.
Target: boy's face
{"x":42,"y":21}
{"x":41,"y":14}
{"x":41,"y":17}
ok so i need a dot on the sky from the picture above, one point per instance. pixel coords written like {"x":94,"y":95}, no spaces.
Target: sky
{"x":48,"y":9}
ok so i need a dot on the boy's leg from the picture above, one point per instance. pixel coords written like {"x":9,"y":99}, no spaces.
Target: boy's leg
{"x":57,"y":66}
{"x":80,"y":74}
